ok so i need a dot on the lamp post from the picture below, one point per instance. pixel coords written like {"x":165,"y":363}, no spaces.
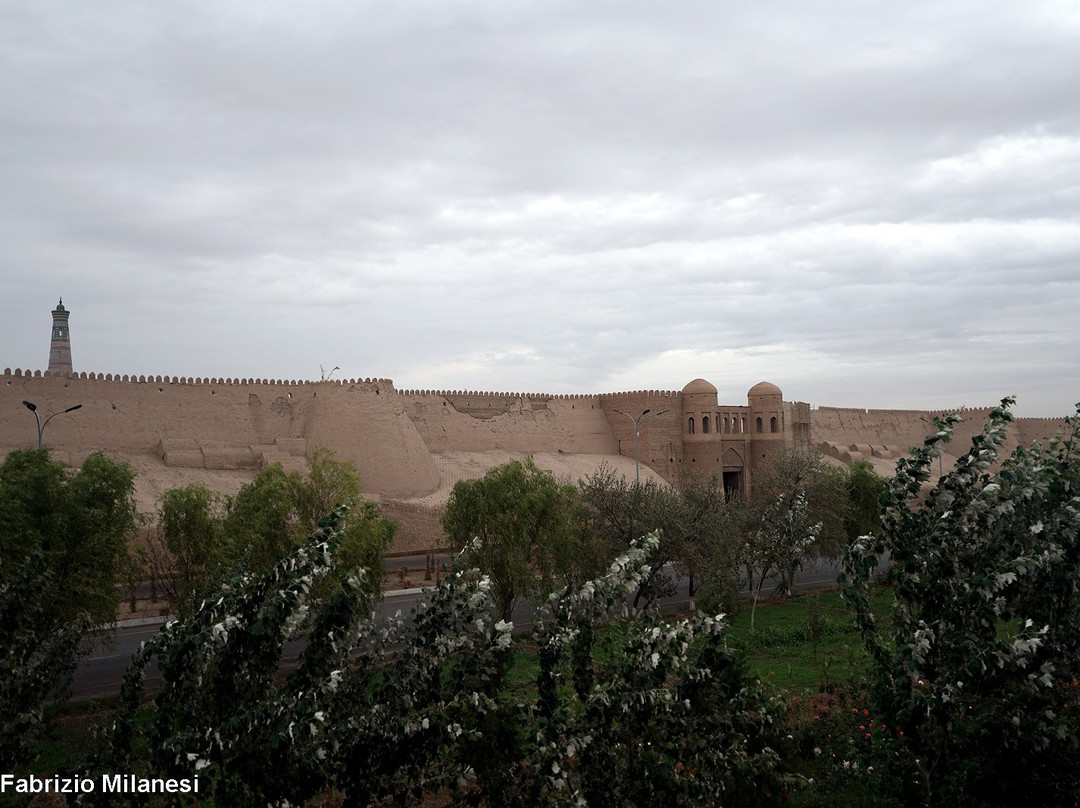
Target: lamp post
{"x":637,"y":431}
{"x":41,"y":426}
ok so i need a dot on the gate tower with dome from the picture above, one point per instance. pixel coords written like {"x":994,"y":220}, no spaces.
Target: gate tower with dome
{"x":694,"y":433}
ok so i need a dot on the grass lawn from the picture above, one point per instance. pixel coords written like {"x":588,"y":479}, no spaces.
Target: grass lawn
{"x":805,"y":643}
{"x":800,"y":645}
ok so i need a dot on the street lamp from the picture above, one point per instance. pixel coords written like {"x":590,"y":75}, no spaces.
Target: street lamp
{"x":41,"y":426}
{"x":637,"y":431}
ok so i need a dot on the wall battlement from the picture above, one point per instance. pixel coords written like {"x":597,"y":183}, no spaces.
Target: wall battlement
{"x":222,"y":424}
{"x":983,"y":409}
{"x":187,"y":380}
{"x":490,"y":394}
{"x":544,"y":396}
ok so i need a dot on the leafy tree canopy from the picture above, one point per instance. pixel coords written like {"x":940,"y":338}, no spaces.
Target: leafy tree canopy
{"x":980,"y":664}
{"x":381,"y":715}
{"x":80,"y":523}
{"x":207,"y":539}
{"x":696,"y":527}
{"x":824,"y":490}
{"x":63,"y":542}
{"x":36,"y":661}
{"x":528,"y":528}
{"x":190,"y":531}
{"x":864,"y":490}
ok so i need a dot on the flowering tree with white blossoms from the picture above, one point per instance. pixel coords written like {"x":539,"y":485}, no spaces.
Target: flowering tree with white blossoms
{"x":669,"y":720}
{"x":784,"y":535}
{"x":379,"y":714}
{"x":388,"y":715}
{"x":220,"y":712}
{"x":979,"y":668}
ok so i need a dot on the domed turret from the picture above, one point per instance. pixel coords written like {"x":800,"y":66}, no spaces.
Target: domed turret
{"x":699,"y":386}
{"x":766,"y":409}
{"x":764,"y":389}
{"x":699,"y":407}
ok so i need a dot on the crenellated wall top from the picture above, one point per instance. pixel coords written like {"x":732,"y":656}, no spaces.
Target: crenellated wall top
{"x":389,"y":384}
{"x":491,"y":394}
{"x":186,"y":380}
{"x":643,"y":394}
{"x":873,"y":411}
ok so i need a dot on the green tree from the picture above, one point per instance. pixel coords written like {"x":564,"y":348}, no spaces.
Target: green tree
{"x":528,"y":529}
{"x":63,"y":544}
{"x":383,"y":713}
{"x":36,"y":661}
{"x":864,"y":489}
{"x":696,"y":525}
{"x":620,"y":511}
{"x":778,"y":545}
{"x":329,"y":483}
{"x":704,"y":535}
{"x":366,"y":535}
{"x":190,"y":532}
{"x":653,"y":713}
{"x":261,"y":522}
{"x":271,"y":516}
{"x":80,"y":522}
{"x":818,"y":491}
{"x":979,"y":666}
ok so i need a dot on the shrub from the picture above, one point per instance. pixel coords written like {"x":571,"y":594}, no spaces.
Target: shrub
{"x":980,"y":664}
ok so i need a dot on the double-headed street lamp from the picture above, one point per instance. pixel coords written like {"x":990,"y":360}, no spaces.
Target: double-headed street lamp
{"x":637,"y":431}
{"x":41,"y":426}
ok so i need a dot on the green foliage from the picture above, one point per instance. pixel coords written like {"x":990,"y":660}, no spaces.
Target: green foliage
{"x":63,"y":544}
{"x":704,"y":533}
{"x":849,"y":752}
{"x":190,"y":530}
{"x":207,"y":540}
{"x":32,"y":492}
{"x":374,"y":712}
{"x":980,"y":666}
{"x":36,"y":661}
{"x":427,"y":717}
{"x":219,"y":712}
{"x":527,"y":524}
{"x":697,"y":529}
{"x":663,"y":715}
{"x":864,"y":489}
{"x":619,"y":511}
{"x":667,"y":718}
{"x":79,"y":522}
{"x":329,"y":483}
{"x":261,"y":521}
{"x":824,"y":494}
{"x":779,"y":544}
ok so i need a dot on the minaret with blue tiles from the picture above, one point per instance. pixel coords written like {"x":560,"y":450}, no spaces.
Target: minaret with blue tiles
{"x":60,"y":350}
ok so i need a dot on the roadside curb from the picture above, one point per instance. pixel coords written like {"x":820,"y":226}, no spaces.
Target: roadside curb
{"x":134,"y":623}
{"x":401,"y":593}
{"x":159,"y":621}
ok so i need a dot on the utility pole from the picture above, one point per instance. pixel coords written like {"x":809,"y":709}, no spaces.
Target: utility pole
{"x":637,"y":432}
{"x":41,"y":426}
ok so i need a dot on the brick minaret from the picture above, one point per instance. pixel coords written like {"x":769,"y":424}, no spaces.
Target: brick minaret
{"x":60,"y":350}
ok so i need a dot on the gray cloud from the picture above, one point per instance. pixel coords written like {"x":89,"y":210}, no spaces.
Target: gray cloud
{"x":867,"y":206}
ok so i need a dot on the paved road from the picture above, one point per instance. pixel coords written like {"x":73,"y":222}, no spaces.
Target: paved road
{"x":102,"y":672}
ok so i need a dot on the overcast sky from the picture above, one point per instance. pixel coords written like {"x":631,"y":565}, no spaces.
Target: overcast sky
{"x":868,"y":204}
